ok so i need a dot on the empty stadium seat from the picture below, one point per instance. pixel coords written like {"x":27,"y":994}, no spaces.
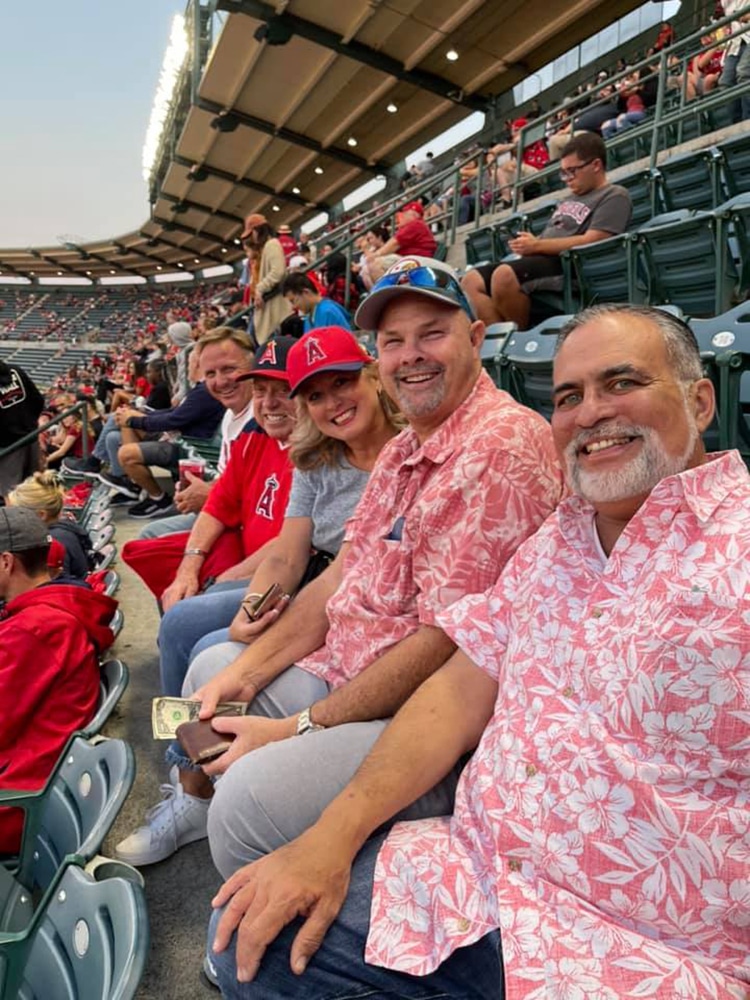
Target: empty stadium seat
{"x":605,"y":271}
{"x":692,"y":181}
{"x":526,"y":364}
{"x":69,"y":817}
{"x":480,"y":246}
{"x":643,"y":186}
{"x":736,"y":164}
{"x":682,"y":264}
{"x":87,"y":941}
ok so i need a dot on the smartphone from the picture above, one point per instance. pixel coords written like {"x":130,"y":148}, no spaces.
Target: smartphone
{"x":266,"y":602}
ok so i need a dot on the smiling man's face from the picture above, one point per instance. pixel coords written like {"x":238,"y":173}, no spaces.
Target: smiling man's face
{"x":622,"y":419}
{"x":428,"y":356}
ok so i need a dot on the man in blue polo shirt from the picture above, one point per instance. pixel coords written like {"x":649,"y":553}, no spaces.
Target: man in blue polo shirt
{"x":315,"y":310}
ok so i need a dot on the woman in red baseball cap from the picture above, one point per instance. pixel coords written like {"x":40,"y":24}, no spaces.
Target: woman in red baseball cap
{"x":343,"y":421}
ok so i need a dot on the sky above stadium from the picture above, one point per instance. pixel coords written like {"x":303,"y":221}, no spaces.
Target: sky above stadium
{"x":77,"y":81}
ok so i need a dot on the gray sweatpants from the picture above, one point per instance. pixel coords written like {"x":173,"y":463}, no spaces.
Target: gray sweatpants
{"x":272,"y":795}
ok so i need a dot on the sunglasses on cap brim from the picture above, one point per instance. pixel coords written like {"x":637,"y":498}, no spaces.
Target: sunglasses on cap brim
{"x":426,"y":278}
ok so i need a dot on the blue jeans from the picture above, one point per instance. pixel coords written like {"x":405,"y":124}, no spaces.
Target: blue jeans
{"x":338,"y":971}
{"x":100,"y":448}
{"x":190,"y":620}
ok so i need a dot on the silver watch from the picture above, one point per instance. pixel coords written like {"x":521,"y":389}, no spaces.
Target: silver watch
{"x":305,"y":724}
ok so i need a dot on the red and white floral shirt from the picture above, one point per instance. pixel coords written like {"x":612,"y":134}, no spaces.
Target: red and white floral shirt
{"x":436,"y":522}
{"x":603,"y":823}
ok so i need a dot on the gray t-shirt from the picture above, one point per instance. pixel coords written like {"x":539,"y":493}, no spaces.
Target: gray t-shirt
{"x":328,"y":495}
{"x":607,"y":208}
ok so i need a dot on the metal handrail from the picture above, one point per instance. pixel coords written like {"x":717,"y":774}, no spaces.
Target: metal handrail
{"x":81,"y":407}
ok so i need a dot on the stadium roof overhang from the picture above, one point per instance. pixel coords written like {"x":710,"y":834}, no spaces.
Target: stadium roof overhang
{"x":290,"y":114}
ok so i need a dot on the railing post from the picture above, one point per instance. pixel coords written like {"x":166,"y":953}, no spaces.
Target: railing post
{"x":659,"y":109}
{"x":478,"y":192}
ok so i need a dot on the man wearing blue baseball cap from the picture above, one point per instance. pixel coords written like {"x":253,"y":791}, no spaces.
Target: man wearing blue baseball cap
{"x":448,"y":502}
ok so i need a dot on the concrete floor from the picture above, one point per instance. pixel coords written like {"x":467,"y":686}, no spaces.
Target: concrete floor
{"x":179,"y":889}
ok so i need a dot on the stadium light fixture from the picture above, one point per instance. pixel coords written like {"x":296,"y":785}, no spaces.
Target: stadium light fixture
{"x":237,"y":240}
{"x":275,"y":208}
{"x":158,"y":267}
{"x":318,"y":170}
{"x":351,"y":141}
{"x":295,"y":190}
{"x":164,"y":99}
{"x":451,"y":55}
{"x":196,"y":260}
{"x":223,"y":249}
{"x":392,"y":108}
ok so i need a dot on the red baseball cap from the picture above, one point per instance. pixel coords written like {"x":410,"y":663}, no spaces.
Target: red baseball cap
{"x":326,"y":349}
{"x":413,"y":206}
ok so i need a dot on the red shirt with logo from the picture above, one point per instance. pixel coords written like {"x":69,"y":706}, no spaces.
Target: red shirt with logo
{"x":253,"y":490}
{"x":415,"y":237}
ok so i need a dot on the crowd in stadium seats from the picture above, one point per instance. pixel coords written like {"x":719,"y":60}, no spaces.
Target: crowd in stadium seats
{"x":493,"y":667}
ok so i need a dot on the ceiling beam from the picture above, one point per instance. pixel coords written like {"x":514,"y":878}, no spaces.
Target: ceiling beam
{"x":236,"y":220}
{"x":292,"y":137}
{"x":245,"y":182}
{"x":357,"y":51}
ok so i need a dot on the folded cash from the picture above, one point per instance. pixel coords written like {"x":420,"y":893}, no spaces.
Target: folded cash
{"x":169,"y":713}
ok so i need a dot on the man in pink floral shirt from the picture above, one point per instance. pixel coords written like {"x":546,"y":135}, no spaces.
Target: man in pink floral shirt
{"x":449,"y":500}
{"x":602,"y":824}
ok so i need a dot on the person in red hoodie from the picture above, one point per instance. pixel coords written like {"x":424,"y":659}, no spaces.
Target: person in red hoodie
{"x":51,"y":635}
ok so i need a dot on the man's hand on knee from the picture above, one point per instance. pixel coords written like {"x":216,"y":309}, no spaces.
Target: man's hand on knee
{"x":308,"y":878}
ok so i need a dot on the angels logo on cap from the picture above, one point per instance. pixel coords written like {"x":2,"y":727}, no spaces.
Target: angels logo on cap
{"x":268,"y":357}
{"x":325,"y":349}
{"x":313,"y":351}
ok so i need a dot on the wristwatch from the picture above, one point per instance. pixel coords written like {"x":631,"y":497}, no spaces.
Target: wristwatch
{"x":305,"y":724}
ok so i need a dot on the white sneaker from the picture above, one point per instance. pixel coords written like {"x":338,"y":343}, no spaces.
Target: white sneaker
{"x":177,"y":820}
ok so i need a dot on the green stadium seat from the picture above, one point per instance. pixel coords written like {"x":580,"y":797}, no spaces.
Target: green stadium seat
{"x":480,"y":246}
{"x":692,"y":181}
{"x":88,"y":940}
{"x":682,"y":263}
{"x":495,"y":337}
{"x":644,"y":188}
{"x":735,"y":154}
{"x":724,"y":342}
{"x":68,"y":818}
{"x":114,"y":677}
{"x":535,"y":220}
{"x":605,"y":271}
{"x":733,"y":234}
{"x":441,"y":251}
{"x":526,"y":364}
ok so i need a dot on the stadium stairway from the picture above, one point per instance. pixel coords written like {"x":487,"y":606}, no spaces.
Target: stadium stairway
{"x":178,"y":890}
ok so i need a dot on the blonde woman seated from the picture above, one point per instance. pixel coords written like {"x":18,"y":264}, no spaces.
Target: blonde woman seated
{"x":43,"y":494}
{"x":344,"y":420}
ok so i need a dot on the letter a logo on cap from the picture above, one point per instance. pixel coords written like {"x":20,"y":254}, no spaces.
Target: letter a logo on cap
{"x":269,"y":355}
{"x":314,"y":352}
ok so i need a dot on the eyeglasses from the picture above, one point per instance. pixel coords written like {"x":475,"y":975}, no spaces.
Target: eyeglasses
{"x":568,"y":173}
{"x":427,"y":277}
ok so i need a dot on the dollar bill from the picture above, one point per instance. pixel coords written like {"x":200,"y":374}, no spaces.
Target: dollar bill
{"x":169,"y":713}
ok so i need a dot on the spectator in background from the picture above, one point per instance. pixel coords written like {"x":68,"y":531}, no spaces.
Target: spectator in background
{"x":336,"y":283}
{"x":198,"y":415}
{"x":533,"y":158}
{"x":589,"y":120}
{"x":629,"y":91}
{"x":43,"y":494}
{"x":287,"y":241}
{"x":267,"y":272}
{"x":51,"y":636}
{"x":737,"y":58}
{"x":594,"y":210}
{"x":21,"y":403}
{"x":317,"y":311}
{"x":181,"y":335}
{"x":412,"y":238}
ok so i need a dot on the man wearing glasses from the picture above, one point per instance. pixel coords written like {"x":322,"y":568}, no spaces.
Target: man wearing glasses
{"x":594,"y":210}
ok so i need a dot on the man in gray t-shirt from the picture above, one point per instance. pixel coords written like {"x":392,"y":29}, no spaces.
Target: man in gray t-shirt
{"x":594,"y":210}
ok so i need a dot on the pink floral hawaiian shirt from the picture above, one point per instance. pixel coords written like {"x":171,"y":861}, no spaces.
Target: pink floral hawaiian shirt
{"x":437,"y":522}
{"x":603,"y":823}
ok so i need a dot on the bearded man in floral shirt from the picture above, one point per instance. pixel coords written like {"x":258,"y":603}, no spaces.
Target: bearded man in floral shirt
{"x":602,"y":824}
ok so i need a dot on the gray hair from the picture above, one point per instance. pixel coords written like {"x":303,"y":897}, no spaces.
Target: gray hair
{"x":681,"y":346}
